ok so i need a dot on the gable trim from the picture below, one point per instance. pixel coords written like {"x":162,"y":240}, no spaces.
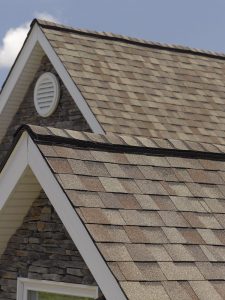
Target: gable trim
{"x":32,"y":157}
{"x":69,"y":83}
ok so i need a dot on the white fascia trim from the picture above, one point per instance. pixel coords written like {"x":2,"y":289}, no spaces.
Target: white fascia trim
{"x":36,"y":35}
{"x":27,"y":154}
{"x":24,"y":285}
{"x":69,"y":83}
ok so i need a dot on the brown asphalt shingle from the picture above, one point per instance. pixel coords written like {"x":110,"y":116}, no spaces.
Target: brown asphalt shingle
{"x":155,"y":234}
{"x":172,"y":94}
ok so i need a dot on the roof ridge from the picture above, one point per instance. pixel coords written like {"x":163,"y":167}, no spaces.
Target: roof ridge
{"x":119,"y":143}
{"x":128,"y":39}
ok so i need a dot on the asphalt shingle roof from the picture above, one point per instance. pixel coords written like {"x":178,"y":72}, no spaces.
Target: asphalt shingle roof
{"x":146,"y":89}
{"x":151,"y":191}
{"x":158,"y":221}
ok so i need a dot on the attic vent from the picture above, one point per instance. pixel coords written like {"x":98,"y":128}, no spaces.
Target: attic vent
{"x":46,"y":94}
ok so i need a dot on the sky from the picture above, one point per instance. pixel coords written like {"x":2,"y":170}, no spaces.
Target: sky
{"x":194,"y":23}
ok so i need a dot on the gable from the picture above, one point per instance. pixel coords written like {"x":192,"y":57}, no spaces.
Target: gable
{"x":67,"y":114}
{"x":26,"y":162}
{"x":22,"y":75}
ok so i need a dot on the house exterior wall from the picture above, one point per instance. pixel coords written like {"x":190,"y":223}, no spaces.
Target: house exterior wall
{"x":41,"y":249}
{"x":66,"y":116}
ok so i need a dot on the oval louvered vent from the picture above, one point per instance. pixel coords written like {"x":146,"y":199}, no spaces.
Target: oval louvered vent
{"x":46,"y":94}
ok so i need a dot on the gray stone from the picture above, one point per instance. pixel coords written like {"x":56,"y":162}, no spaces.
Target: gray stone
{"x":49,"y":255}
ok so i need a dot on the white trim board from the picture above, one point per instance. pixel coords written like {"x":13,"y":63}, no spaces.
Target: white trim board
{"x":23,"y":72}
{"x":69,"y":83}
{"x":26,"y":154}
{"x":24,"y":285}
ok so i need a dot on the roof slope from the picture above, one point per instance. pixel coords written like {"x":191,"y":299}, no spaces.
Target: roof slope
{"x":146,"y":89}
{"x":157,"y":221}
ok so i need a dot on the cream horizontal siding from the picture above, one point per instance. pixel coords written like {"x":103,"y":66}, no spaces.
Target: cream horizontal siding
{"x":16,"y":208}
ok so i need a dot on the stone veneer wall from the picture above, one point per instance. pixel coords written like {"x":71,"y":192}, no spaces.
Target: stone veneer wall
{"x":41,"y":249}
{"x":67,"y":115}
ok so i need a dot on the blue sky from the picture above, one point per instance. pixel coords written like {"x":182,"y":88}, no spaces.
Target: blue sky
{"x":196,"y":23}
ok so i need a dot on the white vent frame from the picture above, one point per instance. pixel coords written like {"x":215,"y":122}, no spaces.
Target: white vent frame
{"x":46,"y":101}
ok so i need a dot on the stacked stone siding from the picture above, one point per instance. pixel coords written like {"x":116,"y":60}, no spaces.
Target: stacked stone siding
{"x":67,"y":115}
{"x":41,"y":249}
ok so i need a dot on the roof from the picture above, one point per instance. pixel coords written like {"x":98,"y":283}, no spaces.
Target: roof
{"x":125,"y":85}
{"x":142,"y":88}
{"x":158,"y":221}
{"x":150,"y":192}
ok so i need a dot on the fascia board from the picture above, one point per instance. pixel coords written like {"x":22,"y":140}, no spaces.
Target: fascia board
{"x":73,"y":225}
{"x":69,"y":83}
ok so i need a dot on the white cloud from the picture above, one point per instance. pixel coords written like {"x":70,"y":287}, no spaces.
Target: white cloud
{"x":11,"y":44}
{"x":14,"y":39}
{"x":46,"y":16}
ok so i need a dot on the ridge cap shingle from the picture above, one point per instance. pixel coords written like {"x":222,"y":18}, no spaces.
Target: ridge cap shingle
{"x":120,"y":142}
{"x":128,"y":39}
